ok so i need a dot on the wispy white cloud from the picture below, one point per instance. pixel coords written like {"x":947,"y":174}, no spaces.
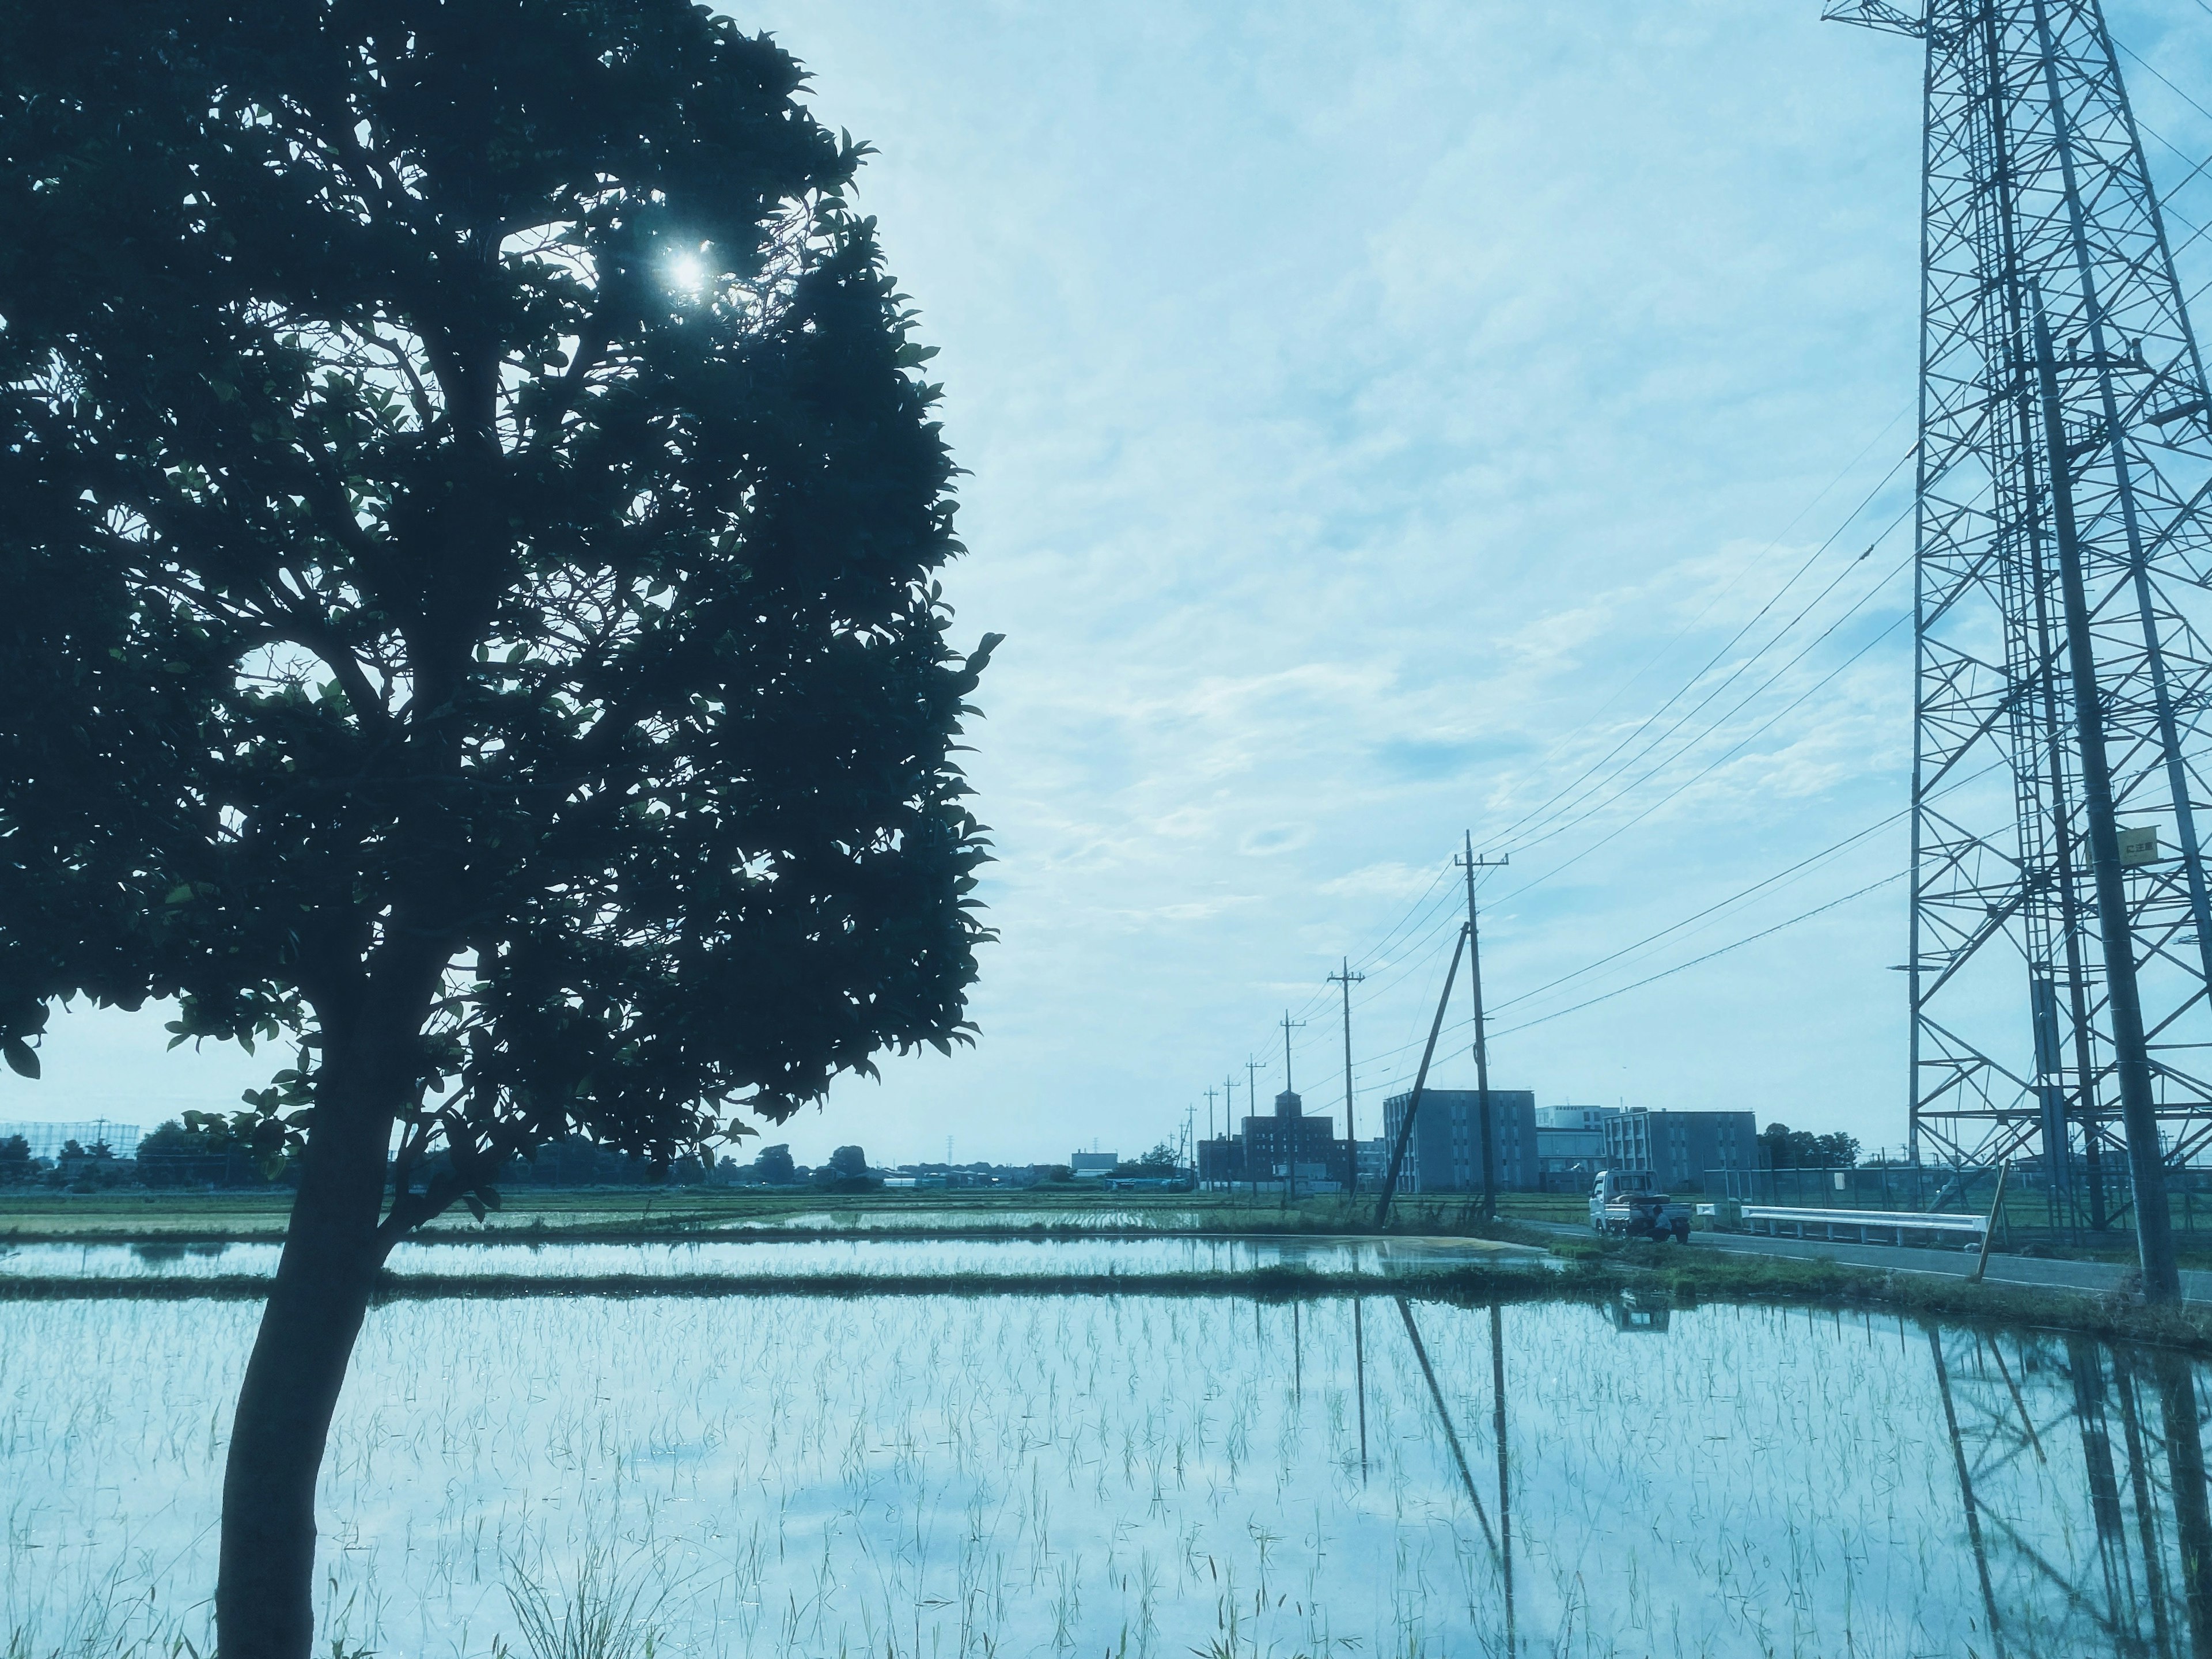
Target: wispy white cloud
{"x":1374,"y":414}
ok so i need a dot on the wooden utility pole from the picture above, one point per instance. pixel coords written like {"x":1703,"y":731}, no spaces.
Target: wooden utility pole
{"x":1471,"y":863}
{"x":1252,"y":1109}
{"x":1348,"y":979}
{"x":1228,"y":1112}
{"x":1291,"y":1159}
{"x":1420,"y":1083}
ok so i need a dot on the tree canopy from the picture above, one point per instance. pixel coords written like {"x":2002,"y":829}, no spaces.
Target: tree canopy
{"x":1782,"y":1148}
{"x":470,"y":512}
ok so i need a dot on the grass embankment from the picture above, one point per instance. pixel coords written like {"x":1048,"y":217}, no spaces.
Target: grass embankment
{"x":1584,"y":1269}
{"x":1581,"y":1271}
{"x":631,"y":1215}
{"x":1688,"y":1278}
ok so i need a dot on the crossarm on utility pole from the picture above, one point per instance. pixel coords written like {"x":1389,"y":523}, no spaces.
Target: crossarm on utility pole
{"x":1420,"y":1082}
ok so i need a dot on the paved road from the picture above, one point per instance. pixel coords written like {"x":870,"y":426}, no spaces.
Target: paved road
{"x":1954,"y":1264}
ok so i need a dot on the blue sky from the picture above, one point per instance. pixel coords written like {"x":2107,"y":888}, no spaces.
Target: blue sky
{"x":1376,"y":414}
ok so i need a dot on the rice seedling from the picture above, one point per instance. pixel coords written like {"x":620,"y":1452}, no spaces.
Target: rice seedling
{"x":910,"y":1474}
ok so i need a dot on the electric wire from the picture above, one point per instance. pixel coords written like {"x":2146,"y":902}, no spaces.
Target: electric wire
{"x":1572,"y":804}
{"x":1737,"y":747}
{"x":1716,"y":724}
{"x":1431,"y":914}
{"x":1894,"y":876}
{"x":1506,"y":834}
{"x":1725,"y":589}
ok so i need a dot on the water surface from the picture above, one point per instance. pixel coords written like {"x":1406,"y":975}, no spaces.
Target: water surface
{"x":1055,"y":1474}
{"x":1020,"y":1258}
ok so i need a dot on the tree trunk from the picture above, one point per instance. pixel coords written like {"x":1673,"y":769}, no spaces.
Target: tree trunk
{"x":265,"y":1591}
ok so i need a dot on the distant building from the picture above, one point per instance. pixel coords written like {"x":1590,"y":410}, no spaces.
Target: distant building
{"x":1220,"y":1161}
{"x":47,"y":1139}
{"x":1445,"y":1152}
{"x":1093,"y":1166}
{"x":1374,"y":1163}
{"x":1678,"y":1147}
{"x":1266,"y":1146}
{"x":1273,"y":1144}
{"x":1589,"y":1118}
{"x":1569,"y":1159}
{"x":1571,"y":1145}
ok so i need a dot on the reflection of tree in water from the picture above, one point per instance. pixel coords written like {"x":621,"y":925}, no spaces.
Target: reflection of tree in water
{"x":2041,"y":1428}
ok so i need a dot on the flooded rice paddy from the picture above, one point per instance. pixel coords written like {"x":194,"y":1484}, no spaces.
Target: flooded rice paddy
{"x":1017,"y":1258}
{"x":1128,"y":1475}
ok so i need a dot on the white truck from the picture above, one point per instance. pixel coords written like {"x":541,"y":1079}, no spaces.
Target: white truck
{"x":1627,"y":1202}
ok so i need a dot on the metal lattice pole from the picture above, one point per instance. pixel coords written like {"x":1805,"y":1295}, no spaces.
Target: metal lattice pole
{"x":2064,"y":555}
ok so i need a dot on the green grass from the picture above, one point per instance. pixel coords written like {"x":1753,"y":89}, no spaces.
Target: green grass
{"x":633,"y":1214}
{"x":1592,"y":1272}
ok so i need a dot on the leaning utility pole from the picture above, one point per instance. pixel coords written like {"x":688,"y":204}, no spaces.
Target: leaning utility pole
{"x":1471,"y":863}
{"x":1291,"y":1159}
{"x":1348,"y":979}
{"x":1405,"y":1136}
{"x":2063,"y":560}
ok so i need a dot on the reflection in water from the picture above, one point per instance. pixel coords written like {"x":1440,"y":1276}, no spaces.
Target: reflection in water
{"x":2148,"y":1590}
{"x":1501,"y":1541}
{"x":1007,"y":1471}
{"x":1359,"y":1374}
{"x":1504,"y":1469}
{"x":1634,"y":1310}
{"x":158,"y":1256}
{"x":1444,"y":1418}
{"x":1966,"y":1493}
{"x":2183,"y":1419}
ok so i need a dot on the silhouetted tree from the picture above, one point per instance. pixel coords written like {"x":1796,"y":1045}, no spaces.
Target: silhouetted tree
{"x":469,"y":517}
{"x":1782,"y":1148}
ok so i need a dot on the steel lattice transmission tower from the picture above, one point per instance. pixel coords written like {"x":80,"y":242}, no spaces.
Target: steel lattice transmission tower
{"x":2062,"y":937}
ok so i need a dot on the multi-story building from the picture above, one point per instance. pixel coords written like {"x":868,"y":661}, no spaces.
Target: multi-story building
{"x":1571,"y":1145}
{"x":1267,"y":1146}
{"x":1273,"y":1144}
{"x":1678,"y":1147}
{"x":1445,"y":1152}
{"x":1374,"y":1160}
{"x":1586,"y":1118}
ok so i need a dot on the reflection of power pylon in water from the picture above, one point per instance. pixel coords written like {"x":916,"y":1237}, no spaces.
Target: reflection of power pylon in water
{"x":2021,"y":1423}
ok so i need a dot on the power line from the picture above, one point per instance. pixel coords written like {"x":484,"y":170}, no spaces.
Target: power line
{"x":1425,"y":916}
{"x":1583,"y":813}
{"x":1695,"y":962}
{"x":1779,"y":877}
{"x":1737,"y":747}
{"x":1690,"y":684}
{"x":1730,"y":586}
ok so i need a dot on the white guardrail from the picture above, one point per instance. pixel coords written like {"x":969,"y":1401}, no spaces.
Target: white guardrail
{"x":1866,"y":1226}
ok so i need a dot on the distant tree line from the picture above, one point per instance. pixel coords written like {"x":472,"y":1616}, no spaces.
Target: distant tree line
{"x":1781,"y":1147}
{"x":206,"y":1150}
{"x":1162,"y":1161}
